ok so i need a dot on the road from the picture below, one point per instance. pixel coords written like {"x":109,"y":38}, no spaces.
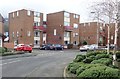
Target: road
{"x":45,"y":64}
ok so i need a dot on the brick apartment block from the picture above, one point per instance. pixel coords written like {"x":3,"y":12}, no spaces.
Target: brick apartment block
{"x":63,"y":28}
{"x":27,"y":27}
{"x":88,"y":32}
{"x":93,"y":33}
{"x":1,"y":30}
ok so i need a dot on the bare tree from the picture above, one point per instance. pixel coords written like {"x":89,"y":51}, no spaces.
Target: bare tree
{"x":108,"y":12}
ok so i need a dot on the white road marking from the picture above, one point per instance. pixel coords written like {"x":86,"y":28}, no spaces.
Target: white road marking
{"x":10,"y":62}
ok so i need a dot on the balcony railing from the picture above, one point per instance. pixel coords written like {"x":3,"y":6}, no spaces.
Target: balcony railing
{"x":68,"y":28}
{"x":41,"y":28}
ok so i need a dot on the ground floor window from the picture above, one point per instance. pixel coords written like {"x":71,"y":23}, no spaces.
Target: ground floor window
{"x":66,"y":42}
{"x":36,"y":42}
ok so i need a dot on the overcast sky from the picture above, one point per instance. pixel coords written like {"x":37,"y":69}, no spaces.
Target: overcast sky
{"x":80,"y":7}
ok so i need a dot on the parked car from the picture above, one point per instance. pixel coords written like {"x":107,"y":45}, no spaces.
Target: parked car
{"x":88,"y":47}
{"x":84,"y":48}
{"x":57,"y":47}
{"x":46,"y":47}
{"x":23,"y":47}
{"x":43,"y":47}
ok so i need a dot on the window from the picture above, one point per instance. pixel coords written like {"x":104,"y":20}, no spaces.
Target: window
{"x":66,"y":24}
{"x":36,"y":14}
{"x":66,"y":14}
{"x":13,"y":15}
{"x":17,"y":13}
{"x":36,"y":34}
{"x":13,"y":34}
{"x":36,"y":42}
{"x":37,"y":19}
{"x":66,"y":19}
{"x":75,"y":43}
{"x":54,"y":31}
{"x":112,"y":37}
{"x":84,"y":24}
{"x":89,"y":24}
{"x":76,"y":34}
{"x":75,"y":25}
{"x":66,"y":34}
{"x":28,"y":12}
{"x":17,"y":34}
{"x":101,"y":29}
{"x":76,"y":16}
{"x":28,"y":33}
{"x":36,"y":23}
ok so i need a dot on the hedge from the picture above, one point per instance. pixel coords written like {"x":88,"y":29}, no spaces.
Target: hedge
{"x":100,"y":72}
{"x":105,"y":61}
{"x":2,"y":50}
{"x":79,"y":58}
{"x":98,"y":56}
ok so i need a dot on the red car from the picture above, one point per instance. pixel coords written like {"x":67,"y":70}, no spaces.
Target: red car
{"x":22,"y":47}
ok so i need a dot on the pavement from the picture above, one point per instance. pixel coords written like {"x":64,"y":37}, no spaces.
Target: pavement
{"x":40,"y":63}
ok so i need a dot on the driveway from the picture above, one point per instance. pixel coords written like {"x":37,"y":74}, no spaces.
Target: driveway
{"x":46,"y":63}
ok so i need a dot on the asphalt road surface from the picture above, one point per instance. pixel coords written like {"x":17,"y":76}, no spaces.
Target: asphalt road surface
{"x":44,"y":64}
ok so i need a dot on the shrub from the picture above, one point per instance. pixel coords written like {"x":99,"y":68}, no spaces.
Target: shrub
{"x":84,"y":43}
{"x":100,"y":72}
{"x":74,"y":67}
{"x":79,"y":58}
{"x":92,"y":53}
{"x":83,"y":67}
{"x":118,"y":55}
{"x":2,"y":50}
{"x":88,"y":60}
{"x":98,"y":56}
{"x":105,"y":61}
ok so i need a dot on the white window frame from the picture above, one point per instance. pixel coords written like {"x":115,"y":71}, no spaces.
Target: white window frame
{"x":13,"y":15}
{"x":28,"y":12}
{"x":28,"y":33}
{"x":75,"y":25}
{"x":17,"y":13}
{"x":13,"y":34}
{"x":17,"y":33}
{"x":55,"y":32}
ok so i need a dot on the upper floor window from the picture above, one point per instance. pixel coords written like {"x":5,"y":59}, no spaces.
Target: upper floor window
{"x":13,"y":15}
{"x":36,"y":14}
{"x":28,"y":12}
{"x":28,"y":33}
{"x":13,"y":34}
{"x":36,"y":23}
{"x":101,"y":28}
{"x":37,"y":19}
{"x":66,"y":14}
{"x":66,"y":19}
{"x":17,"y":34}
{"x":36,"y":34}
{"x":75,"y":25}
{"x":66,"y":23}
{"x":66,"y":34}
{"x":55,"y":32}
{"x":17,"y":13}
{"x":76,"y":16}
